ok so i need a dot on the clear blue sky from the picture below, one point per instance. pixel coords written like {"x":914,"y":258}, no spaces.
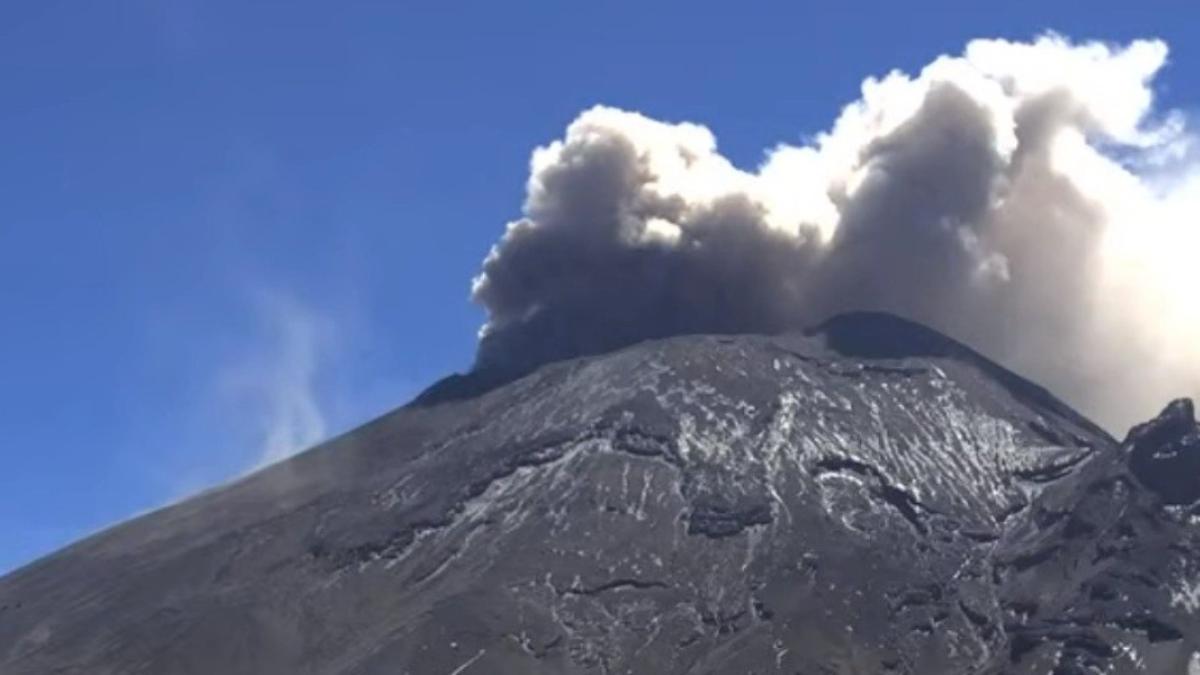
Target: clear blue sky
{"x":183,"y":182}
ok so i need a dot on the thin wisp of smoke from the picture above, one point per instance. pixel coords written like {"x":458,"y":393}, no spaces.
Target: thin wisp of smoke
{"x":1026,"y":198}
{"x":272,"y":387}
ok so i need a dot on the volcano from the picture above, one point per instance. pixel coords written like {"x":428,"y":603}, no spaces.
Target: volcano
{"x":868,"y":496}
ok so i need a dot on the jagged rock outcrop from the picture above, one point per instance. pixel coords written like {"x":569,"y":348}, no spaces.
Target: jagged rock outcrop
{"x":1165,"y":454}
{"x":1105,"y":574}
{"x":870,"y":497}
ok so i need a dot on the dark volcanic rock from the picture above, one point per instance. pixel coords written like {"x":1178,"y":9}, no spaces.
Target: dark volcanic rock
{"x":1165,"y":454}
{"x":1105,"y":575}
{"x":870,"y":497}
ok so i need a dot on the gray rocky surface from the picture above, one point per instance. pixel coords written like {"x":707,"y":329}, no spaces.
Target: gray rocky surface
{"x":869,"y":497}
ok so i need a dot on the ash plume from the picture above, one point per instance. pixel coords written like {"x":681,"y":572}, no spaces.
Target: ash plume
{"x":1029,"y":199}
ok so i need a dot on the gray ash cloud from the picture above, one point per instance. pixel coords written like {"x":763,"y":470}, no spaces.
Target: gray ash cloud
{"x":1029,"y":199}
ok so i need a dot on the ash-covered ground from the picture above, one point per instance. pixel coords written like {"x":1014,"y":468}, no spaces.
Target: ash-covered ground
{"x":869,"y":497}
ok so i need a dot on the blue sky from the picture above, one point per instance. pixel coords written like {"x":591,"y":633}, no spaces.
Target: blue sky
{"x":229,"y":227}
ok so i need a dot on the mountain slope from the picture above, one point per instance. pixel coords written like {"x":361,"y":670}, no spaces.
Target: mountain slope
{"x":869,"y":497}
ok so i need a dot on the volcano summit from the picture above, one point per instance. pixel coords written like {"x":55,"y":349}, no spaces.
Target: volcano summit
{"x":866,"y":497}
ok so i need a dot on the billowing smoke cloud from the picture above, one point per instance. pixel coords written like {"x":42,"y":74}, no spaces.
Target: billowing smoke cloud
{"x":1026,"y":198}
